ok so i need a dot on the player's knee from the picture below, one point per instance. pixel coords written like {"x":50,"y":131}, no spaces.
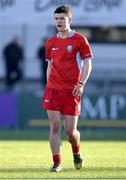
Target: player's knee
{"x":70,"y":134}
{"x":54,"y":126}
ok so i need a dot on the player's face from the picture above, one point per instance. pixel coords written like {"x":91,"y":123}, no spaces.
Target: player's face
{"x":62,"y":22}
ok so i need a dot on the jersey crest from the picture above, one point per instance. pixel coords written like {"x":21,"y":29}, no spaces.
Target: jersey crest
{"x":69,"y":48}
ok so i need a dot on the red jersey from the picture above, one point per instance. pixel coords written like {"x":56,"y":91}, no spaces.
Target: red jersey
{"x":67,"y":56}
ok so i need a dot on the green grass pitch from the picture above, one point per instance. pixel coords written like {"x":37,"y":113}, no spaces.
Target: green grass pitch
{"x":25,"y":159}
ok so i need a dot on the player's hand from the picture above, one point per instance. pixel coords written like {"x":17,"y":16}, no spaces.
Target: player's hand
{"x":78,"y":90}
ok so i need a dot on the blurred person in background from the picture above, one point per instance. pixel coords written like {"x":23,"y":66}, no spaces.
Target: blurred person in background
{"x":41,"y":57}
{"x":69,"y":66}
{"x":13,"y":55}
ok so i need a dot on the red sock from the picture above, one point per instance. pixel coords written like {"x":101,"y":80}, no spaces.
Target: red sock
{"x":76,"y":149}
{"x":57,"y":159}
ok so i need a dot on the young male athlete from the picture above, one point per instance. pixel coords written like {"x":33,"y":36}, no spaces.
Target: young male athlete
{"x":69,"y":66}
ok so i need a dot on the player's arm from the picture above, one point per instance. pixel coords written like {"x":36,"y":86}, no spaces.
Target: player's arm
{"x":48,"y":47}
{"x":86,"y":70}
{"x":48,"y":69}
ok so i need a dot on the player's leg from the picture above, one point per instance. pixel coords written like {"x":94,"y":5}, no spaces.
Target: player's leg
{"x":54,"y":138}
{"x":70,"y":124}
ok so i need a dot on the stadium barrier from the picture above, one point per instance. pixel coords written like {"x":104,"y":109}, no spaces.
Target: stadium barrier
{"x":24,"y":110}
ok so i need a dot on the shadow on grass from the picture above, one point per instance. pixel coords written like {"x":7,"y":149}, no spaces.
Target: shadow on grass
{"x":20,"y":169}
{"x":97,"y":169}
{"x":41,"y":169}
{"x":43,"y":134}
{"x":68,"y":171}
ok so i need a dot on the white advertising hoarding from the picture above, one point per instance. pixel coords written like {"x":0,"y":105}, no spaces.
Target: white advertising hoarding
{"x":85,"y":12}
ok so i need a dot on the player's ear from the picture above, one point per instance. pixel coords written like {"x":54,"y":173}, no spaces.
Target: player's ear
{"x":70,"y":20}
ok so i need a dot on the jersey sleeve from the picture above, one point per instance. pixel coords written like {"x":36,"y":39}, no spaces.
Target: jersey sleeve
{"x":85,"y":50}
{"x":48,"y":50}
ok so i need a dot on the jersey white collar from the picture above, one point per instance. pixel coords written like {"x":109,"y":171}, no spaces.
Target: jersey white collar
{"x":71,"y":33}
